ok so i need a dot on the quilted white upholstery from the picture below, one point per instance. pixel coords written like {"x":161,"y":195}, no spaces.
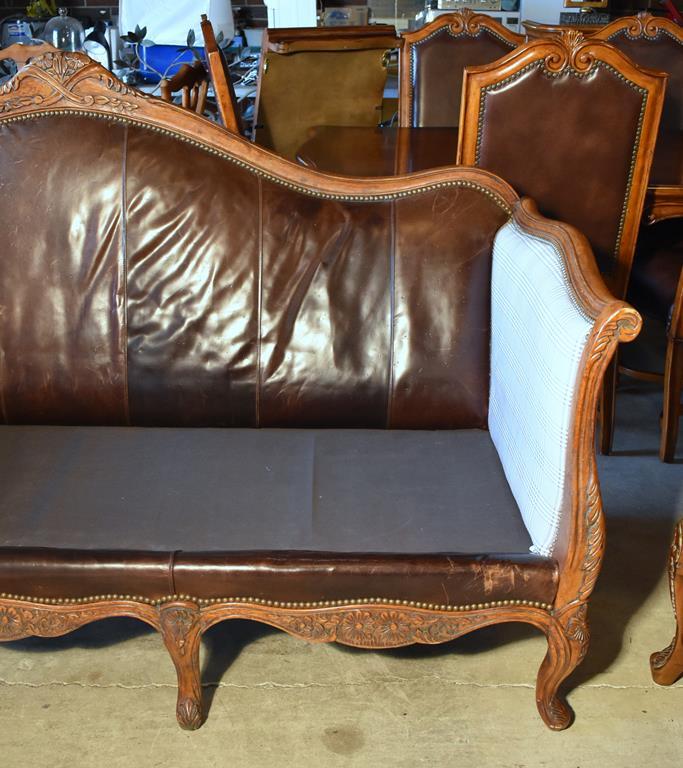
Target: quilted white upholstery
{"x":538,"y":335}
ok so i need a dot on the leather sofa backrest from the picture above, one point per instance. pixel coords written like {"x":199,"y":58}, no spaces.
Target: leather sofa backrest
{"x":656,"y":42}
{"x":434,"y":58}
{"x":174,"y":274}
{"x":571,"y":122}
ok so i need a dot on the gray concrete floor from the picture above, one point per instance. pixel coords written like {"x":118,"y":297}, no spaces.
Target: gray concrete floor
{"x":105,"y":695}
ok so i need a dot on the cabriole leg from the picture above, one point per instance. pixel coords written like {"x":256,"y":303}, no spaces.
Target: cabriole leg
{"x":608,"y":396}
{"x":667,"y":665}
{"x":568,"y":640}
{"x":181,"y":629}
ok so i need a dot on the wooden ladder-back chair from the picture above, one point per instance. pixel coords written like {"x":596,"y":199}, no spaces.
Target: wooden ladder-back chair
{"x":656,"y":42}
{"x":193,"y":83}
{"x":320,"y":76}
{"x":226,"y":101}
{"x":572,"y":122}
{"x":433,"y":59}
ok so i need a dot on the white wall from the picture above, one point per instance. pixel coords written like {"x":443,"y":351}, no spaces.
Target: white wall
{"x":546,"y":11}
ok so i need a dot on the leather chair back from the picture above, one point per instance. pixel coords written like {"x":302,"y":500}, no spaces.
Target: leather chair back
{"x":656,"y":42}
{"x":228,"y":287}
{"x":571,"y":122}
{"x":312,"y":77}
{"x":433,"y":59}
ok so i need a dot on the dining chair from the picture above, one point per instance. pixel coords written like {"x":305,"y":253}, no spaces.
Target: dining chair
{"x":223,"y":88}
{"x":192,"y":81}
{"x":572,"y":122}
{"x":320,"y":76}
{"x":432,"y":61}
{"x":656,"y":42}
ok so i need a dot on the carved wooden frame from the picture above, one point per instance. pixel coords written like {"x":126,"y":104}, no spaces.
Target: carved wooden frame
{"x":72,"y":84}
{"x":573,"y":52}
{"x":667,"y":665}
{"x":465,"y":23}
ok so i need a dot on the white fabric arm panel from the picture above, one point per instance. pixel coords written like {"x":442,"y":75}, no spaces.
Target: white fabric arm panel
{"x":538,"y":335}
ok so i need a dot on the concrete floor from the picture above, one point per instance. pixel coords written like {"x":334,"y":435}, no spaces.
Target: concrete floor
{"x":105,"y":695}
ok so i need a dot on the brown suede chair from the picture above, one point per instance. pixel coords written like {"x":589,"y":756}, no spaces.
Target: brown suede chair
{"x":358,"y":410}
{"x":572,"y":122}
{"x":319,"y":76}
{"x":432,"y":61}
{"x":657,"y":43}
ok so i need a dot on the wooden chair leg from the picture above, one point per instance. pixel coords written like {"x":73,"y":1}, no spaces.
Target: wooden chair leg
{"x":607,"y":406}
{"x":667,"y":665}
{"x":181,"y":629}
{"x":568,"y":640}
{"x":673,"y":384}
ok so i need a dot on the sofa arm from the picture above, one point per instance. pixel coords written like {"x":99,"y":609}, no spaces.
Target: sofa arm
{"x":554,"y":328}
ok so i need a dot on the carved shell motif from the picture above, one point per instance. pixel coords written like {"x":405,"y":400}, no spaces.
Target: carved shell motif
{"x":571,"y":52}
{"x":61,"y":66}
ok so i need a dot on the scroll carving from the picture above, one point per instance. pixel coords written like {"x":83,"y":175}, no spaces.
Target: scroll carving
{"x":19,"y":622}
{"x":373,"y":627}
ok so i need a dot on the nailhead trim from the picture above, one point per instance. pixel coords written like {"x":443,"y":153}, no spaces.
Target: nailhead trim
{"x":274,"y":603}
{"x":574,"y":73}
{"x":242,"y":164}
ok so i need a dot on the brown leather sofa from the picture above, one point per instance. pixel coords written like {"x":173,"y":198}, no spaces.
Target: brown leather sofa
{"x":421,"y":354}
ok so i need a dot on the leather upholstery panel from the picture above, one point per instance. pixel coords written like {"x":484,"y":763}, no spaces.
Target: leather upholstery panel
{"x":62,"y":288}
{"x":663,"y":54}
{"x":591,"y":134}
{"x":438,"y":65}
{"x":442,"y":309}
{"x":315,"y":576}
{"x":179,"y":289}
{"x":286,"y":576}
{"x":192,"y":257}
{"x":42,"y":572}
{"x":325,"y":311}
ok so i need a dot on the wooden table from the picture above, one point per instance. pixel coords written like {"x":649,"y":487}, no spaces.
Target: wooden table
{"x":353,"y":151}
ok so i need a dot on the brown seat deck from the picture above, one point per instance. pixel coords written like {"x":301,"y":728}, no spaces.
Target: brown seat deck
{"x":306,"y":513}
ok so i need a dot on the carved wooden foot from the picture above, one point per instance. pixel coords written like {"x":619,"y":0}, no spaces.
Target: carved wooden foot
{"x":667,"y":665}
{"x":568,"y":640}
{"x":181,"y":629}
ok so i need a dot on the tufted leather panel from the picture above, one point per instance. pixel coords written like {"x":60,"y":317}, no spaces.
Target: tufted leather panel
{"x":590,"y":121}
{"x":662,"y":54}
{"x":437,"y":64}
{"x":178,"y":288}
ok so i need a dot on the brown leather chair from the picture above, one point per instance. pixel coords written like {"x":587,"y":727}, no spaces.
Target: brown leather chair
{"x":223,"y":88}
{"x":657,"y":42}
{"x":319,"y":76}
{"x":432,"y":61}
{"x":572,"y":122}
{"x":192,"y":81}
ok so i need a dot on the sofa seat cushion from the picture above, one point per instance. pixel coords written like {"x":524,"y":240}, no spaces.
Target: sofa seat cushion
{"x":276,"y":514}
